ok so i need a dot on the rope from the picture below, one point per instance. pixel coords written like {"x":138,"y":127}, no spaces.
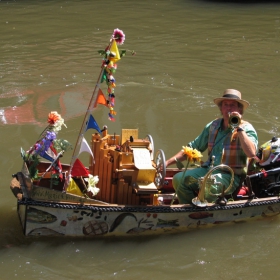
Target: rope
{"x":150,"y":209}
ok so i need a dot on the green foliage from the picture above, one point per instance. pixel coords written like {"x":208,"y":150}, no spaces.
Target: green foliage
{"x":33,"y":161}
{"x":54,"y":180}
{"x":33,"y":167}
{"x":23,"y":154}
{"x":122,"y":53}
{"x":62,"y":145}
{"x":101,"y":52}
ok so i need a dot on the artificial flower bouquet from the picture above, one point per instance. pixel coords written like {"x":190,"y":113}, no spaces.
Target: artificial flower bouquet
{"x":47,"y":146}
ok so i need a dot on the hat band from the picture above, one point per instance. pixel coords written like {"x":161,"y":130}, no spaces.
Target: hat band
{"x":231,"y":96}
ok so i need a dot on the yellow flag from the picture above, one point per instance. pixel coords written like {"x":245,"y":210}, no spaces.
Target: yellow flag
{"x":73,"y":188}
{"x":114,"y":49}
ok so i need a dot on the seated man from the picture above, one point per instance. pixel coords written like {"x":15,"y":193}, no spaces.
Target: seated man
{"x":230,"y":145}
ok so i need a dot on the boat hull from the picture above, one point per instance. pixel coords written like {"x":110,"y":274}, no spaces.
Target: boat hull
{"x":46,"y":218}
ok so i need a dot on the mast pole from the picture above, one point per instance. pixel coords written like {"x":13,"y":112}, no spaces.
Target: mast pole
{"x":85,"y":121}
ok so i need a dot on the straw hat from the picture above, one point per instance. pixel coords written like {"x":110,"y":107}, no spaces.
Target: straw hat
{"x":232,"y":94}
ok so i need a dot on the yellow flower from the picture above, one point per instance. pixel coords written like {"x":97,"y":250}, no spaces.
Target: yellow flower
{"x":193,"y":155}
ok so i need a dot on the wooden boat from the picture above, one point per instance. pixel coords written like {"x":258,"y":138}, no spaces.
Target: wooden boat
{"x":135,"y":195}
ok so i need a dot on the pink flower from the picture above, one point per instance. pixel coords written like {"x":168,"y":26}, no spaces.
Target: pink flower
{"x":119,"y":36}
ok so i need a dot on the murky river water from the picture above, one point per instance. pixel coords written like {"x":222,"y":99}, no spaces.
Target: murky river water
{"x":187,"y":53}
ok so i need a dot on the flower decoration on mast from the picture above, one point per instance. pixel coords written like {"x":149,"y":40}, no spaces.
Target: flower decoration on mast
{"x":48,"y":137}
{"x":111,"y":56}
{"x":55,"y":121}
{"x":48,"y":145}
{"x":119,"y":36}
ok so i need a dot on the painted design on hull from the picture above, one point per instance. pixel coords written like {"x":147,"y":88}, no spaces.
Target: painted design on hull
{"x":137,"y":230}
{"x":197,"y":224}
{"x":95,"y":222}
{"x":44,"y":231}
{"x":120,"y":219}
{"x":35,"y":215}
{"x":95,"y":228}
{"x":200,"y":215}
{"x":167,"y":223}
{"x":271,"y":212}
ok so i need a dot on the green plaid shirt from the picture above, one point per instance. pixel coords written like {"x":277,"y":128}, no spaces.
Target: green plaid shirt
{"x":224,"y":144}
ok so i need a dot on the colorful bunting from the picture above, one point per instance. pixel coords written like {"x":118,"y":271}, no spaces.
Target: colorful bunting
{"x":111,"y":56}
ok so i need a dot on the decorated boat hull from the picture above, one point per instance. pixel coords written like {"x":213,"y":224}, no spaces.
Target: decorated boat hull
{"x":43,"y":211}
{"x":44,"y":218}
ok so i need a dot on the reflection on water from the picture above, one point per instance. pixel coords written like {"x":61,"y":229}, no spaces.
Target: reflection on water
{"x":188,"y":52}
{"x":32,"y":107}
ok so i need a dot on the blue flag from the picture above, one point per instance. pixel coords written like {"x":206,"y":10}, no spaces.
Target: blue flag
{"x":92,"y":124}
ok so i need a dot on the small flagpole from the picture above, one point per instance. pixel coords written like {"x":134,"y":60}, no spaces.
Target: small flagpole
{"x":86,"y":118}
{"x":84,"y":124}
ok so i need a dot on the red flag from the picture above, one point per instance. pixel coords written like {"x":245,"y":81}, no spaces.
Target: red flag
{"x":79,"y":169}
{"x":100,"y":99}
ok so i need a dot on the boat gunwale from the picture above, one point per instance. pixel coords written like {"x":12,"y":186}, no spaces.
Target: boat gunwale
{"x":153,"y":208}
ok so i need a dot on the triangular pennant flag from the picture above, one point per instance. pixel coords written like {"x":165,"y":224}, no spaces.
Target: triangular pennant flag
{"x":104,"y":76}
{"x":73,"y":188}
{"x":79,"y":169}
{"x":92,"y":124}
{"x":85,"y":147}
{"x":100,"y":99}
{"x":114,"y":49}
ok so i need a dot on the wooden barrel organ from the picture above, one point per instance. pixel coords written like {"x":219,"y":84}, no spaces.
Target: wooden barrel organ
{"x":125,"y":168}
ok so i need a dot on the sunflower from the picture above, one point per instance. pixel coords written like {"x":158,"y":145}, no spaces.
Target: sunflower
{"x":193,"y":155}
